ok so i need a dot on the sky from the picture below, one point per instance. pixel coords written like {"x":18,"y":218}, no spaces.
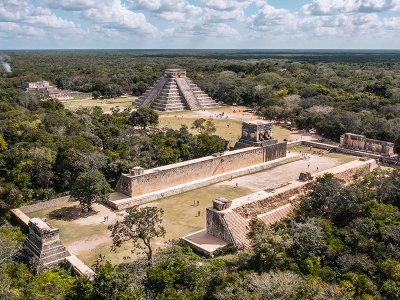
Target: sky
{"x":200,"y":24}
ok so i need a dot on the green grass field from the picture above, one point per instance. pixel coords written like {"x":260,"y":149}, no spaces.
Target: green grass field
{"x":180,"y":218}
{"x":230,"y":130}
{"x":106,"y":104}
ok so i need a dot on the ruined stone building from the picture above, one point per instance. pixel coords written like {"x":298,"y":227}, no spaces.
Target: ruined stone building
{"x":256,"y":133}
{"x":43,"y":244}
{"x":174,"y":92}
{"x":35,"y":85}
{"x":361,"y":143}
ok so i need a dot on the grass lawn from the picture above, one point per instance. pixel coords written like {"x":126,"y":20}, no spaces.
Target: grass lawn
{"x":180,"y":218}
{"x":105,"y":104}
{"x":343,"y":158}
{"x":229,"y":129}
{"x":231,"y":133}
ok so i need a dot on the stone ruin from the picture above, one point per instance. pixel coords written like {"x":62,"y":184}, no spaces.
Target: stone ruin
{"x":305,"y":176}
{"x":43,"y":244}
{"x":256,"y":133}
{"x":361,"y":143}
{"x":175,"y":92}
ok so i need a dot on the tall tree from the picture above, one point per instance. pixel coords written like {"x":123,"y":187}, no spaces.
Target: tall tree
{"x":141,"y":224}
{"x":90,"y":187}
{"x":143,"y":117}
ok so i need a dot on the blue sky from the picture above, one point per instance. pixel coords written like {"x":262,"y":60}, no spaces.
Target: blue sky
{"x":252,"y":24}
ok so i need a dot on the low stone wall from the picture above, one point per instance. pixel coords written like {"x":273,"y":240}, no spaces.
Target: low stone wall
{"x":45,"y":204}
{"x":196,"y":169}
{"x":339,"y":149}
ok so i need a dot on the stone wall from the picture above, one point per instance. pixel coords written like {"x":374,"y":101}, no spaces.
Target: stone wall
{"x":45,"y":204}
{"x":216,"y":225}
{"x":196,"y":169}
{"x":361,"y":143}
{"x":254,"y":205}
{"x":292,"y":194}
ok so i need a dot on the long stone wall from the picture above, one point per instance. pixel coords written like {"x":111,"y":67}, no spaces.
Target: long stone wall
{"x":45,"y":204}
{"x":196,"y":169}
{"x":254,"y":205}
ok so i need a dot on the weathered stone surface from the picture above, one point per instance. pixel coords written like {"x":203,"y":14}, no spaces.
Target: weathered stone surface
{"x":361,"y":143}
{"x":221,"y":203}
{"x":231,"y":224}
{"x":256,"y":133}
{"x":174,"y":92}
{"x":43,"y":243}
{"x":305,"y":176}
{"x":175,"y":174}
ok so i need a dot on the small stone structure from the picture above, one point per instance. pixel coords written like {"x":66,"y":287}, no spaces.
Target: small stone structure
{"x":175,"y":92}
{"x":43,"y":84}
{"x":221,"y":203}
{"x":305,"y":176}
{"x":361,"y":143}
{"x":256,"y":133}
{"x":43,"y":243}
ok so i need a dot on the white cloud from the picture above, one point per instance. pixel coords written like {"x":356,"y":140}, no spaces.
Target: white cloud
{"x":73,"y":5}
{"x":332,"y":7}
{"x":269,"y":18}
{"x":230,"y":4}
{"x":114,"y":15}
{"x":21,"y":18}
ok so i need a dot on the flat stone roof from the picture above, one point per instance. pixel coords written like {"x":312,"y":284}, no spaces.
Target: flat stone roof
{"x":204,"y":242}
{"x":41,"y":224}
{"x":255,"y":122}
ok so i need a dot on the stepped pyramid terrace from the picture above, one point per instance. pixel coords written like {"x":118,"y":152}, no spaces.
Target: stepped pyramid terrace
{"x":43,"y":243}
{"x":174,"y":92}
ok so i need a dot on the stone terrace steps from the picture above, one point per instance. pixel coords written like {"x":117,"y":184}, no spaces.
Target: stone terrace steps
{"x":188,"y":94}
{"x":277,"y":214}
{"x":238,"y":227}
{"x":151,"y":94}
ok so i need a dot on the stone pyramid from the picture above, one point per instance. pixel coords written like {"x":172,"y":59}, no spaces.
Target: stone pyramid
{"x":43,"y":243}
{"x":173,"y":92}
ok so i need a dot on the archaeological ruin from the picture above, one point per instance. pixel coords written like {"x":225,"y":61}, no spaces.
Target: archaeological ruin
{"x":175,"y":92}
{"x":43,"y":244}
{"x":146,"y":185}
{"x":256,"y":133}
{"x":228,"y":221}
{"x":361,"y":143}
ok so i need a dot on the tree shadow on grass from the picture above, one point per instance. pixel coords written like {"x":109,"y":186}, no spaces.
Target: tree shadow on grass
{"x":70,"y":213}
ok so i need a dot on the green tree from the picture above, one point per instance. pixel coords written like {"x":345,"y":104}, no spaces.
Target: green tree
{"x":143,"y":117}
{"x":141,"y":224}
{"x":90,"y":187}
{"x":204,"y":126}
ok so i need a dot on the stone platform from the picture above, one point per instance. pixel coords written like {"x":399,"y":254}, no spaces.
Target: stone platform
{"x":117,"y":202}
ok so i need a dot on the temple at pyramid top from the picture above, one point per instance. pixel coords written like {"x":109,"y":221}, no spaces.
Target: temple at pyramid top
{"x":173,"y":92}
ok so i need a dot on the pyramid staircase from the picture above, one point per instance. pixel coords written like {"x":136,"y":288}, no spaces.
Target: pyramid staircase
{"x":175,"y":92}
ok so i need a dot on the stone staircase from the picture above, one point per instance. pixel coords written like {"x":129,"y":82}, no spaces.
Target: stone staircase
{"x":238,"y":228}
{"x":175,"y":92}
{"x":169,"y":99}
{"x":151,"y":94}
{"x":204,"y":100}
{"x":188,"y":94}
